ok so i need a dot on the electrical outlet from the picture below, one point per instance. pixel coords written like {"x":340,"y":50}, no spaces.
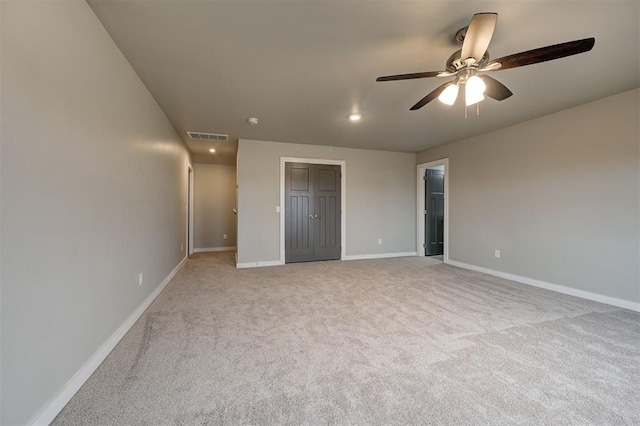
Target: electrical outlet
{"x":497,"y":253}
{"x":379,"y":241}
{"x":224,"y":236}
{"x":140,"y":278}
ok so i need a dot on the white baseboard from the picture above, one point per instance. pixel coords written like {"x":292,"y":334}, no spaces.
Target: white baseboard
{"x":209,"y":249}
{"x":621,"y":303}
{"x":57,"y":403}
{"x":259,"y":264}
{"x":379,"y":255}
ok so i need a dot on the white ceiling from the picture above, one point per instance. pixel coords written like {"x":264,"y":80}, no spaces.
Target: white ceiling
{"x":302,"y":66}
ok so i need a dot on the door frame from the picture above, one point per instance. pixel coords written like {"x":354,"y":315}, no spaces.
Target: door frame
{"x":189,"y":236}
{"x":343,"y":198}
{"x":420,"y":225}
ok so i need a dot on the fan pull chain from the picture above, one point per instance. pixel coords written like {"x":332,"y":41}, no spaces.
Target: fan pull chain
{"x":466,"y":115}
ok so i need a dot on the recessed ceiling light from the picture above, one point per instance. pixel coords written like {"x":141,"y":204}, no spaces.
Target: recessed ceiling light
{"x":212,"y":150}
{"x":355,"y":116}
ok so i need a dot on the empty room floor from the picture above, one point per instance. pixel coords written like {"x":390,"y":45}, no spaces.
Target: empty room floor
{"x":389,"y":341}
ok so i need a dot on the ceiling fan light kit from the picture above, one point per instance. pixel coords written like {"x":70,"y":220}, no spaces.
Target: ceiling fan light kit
{"x":449,"y":94}
{"x":474,"y":90}
{"x":467,"y":63}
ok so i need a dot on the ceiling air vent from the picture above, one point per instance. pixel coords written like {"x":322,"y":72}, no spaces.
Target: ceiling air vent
{"x":208,"y":136}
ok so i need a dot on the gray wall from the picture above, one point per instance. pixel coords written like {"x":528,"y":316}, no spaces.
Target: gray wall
{"x":214,"y":197}
{"x":559,"y":196}
{"x":380,"y":203}
{"x":93,"y":192}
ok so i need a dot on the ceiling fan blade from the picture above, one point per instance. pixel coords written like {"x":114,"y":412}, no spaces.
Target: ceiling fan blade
{"x":478,"y":36}
{"x":409,"y":76}
{"x":543,"y":54}
{"x":495,"y":89}
{"x":431,"y":96}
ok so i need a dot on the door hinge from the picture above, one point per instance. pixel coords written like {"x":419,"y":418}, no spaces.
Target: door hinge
{"x":425,"y":211}
{"x":424,"y":177}
{"x":424,"y":245}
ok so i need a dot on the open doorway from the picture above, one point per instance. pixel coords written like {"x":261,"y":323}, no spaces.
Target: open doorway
{"x":433,"y":209}
{"x":189,"y":212}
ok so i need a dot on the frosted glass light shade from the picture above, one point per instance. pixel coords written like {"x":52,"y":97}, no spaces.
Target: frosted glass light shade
{"x":449,"y":94}
{"x":474,"y":90}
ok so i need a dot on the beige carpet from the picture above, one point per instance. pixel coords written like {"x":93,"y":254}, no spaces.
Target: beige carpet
{"x":392,"y":341}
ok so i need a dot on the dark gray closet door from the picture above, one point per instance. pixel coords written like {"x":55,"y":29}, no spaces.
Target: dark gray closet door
{"x":298,"y":210}
{"x":312,"y":212}
{"x":327,"y":212}
{"x":434,"y":217}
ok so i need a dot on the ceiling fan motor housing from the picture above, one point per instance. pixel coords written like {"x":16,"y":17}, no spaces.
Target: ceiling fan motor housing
{"x":455,"y":62}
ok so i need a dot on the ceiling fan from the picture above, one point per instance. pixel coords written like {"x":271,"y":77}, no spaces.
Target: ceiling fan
{"x":467,"y":64}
